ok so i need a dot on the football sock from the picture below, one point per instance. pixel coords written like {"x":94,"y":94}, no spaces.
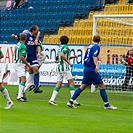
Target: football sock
{"x":72,"y":90}
{"x":21,"y":89}
{"x":36,"y":81}
{"x":54,"y":94}
{"x":76,"y":94}
{"x":5,"y":93}
{"x":29,"y":82}
{"x":104,"y":95}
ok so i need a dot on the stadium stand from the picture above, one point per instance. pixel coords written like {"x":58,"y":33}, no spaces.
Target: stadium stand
{"x":47,"y":14}
{"x":67,"y":17}
{"x":82,"y":28}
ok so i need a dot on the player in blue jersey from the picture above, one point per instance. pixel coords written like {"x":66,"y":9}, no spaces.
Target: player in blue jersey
{"x":31,"y":45}
{"x":91,"y":74}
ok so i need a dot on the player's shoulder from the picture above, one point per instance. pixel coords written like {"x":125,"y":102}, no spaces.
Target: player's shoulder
{"x":96,"y":46}
{"x":27,"y":34}
{"x":65,"y":46}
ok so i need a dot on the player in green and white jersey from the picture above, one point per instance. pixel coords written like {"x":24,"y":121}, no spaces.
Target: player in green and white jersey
{"x":20,"y":63}
{"x":63,"y":69}
{"x":3,"y":90}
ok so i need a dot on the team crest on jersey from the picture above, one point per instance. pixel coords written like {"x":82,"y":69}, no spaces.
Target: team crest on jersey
{"x":30,"y":38}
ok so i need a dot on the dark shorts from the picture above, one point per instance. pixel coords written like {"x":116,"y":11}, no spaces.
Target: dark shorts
{"x":32,"y":60}
{"x":91,"y":77}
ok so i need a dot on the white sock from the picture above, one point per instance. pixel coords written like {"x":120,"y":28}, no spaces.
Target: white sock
{"x":72,"y":92}
{"x":29,"y":82}
{"x":54,"y":94}
{"x":20,"y":92}
{"x":6,"y":95}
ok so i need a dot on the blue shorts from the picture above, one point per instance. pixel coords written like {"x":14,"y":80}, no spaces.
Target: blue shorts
{"x":32,"y":60}
{"x":91,"y":77}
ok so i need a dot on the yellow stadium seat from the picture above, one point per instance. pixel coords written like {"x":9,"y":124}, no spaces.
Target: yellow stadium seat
{"x":84,"y":40}
{"x":91,"y":15}
{"x":76,"y":23}
{"x":61,"y":31}
{"x":130,"y":40}
{"x":103,"y":40}
{"x":125,"y":40}
{"x":45,"y":39}
{"x":116,"y":9}
{"x":107,"y":9}
{"x":89,"y":40}
{"x":114,"y":40}
{"x":78,"y":40}
{"x":131,"y":9}
{"x":72,"y":40}
{"x":123,"y":9}
{"x":119,"y":40}
{"x":122,"y":1}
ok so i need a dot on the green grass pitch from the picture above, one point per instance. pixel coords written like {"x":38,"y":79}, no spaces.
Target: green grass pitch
{"x":37,"y":116}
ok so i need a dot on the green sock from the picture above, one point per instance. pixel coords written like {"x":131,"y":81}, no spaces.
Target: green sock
{"x":22,"y":83}
{"x":56,"y":89}
{"x":2,"y":89}
{"x":72,"y":88}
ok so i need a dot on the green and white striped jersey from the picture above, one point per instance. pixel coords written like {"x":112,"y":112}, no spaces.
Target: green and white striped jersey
{"x":63,"y":65}
{"x":20,"y":50}
{"x":40,"y":44}
{"x":0,"y":52}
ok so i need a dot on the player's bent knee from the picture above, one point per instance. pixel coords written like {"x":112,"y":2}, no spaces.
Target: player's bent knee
{"x":102,"y":86}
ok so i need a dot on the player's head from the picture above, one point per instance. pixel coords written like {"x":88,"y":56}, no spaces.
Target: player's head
{"x":34,"y":30}
{"x":25,"y":31}
{"x":64,"y":39}
{"x":131,"y":51}
{"x":23,"y":37}
{"x":96,"y":38}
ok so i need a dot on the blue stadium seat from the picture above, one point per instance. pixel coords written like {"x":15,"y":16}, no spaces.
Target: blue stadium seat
{"x":47,"y":14}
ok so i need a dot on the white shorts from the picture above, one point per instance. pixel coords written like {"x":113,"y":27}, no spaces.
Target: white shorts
{"x":20,"y":69}
{"x":41,"y":61}
{"x":61,"y":75}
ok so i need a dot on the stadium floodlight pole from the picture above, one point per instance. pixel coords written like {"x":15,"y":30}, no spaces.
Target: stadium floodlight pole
{"x":96,"y":16}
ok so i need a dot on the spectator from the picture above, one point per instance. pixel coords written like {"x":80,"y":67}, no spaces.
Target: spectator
{"x":129,"y":71}
{"x":20,"y":3}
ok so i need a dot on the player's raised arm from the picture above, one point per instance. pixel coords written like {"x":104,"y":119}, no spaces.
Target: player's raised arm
{"x":37,"y":38}
{"x":74,"y":56}
{"x":14,"y":37}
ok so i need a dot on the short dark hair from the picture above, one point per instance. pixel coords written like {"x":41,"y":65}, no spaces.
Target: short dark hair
{"x":64,"y":39}
{"x":96,"y":38}
{"x":23,"y":37}
{"x":33,"y":28}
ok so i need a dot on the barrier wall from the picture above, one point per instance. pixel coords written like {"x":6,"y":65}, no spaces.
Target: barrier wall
{"x":112,"y":73}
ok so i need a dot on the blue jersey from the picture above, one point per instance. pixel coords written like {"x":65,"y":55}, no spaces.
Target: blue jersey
{"x":31,"y":47}
{"x":92,"y":51}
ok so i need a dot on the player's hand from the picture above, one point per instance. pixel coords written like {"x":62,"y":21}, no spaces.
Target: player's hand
{"x":56,"y":61}
{"x":97,"y":69}
{"x":76,"y":56}
{"x":70,"y":64}
{"x":30,"y":67}
{"x":36,"y":41}
{"x":39,"y":56}
{"x":13,"y":36}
